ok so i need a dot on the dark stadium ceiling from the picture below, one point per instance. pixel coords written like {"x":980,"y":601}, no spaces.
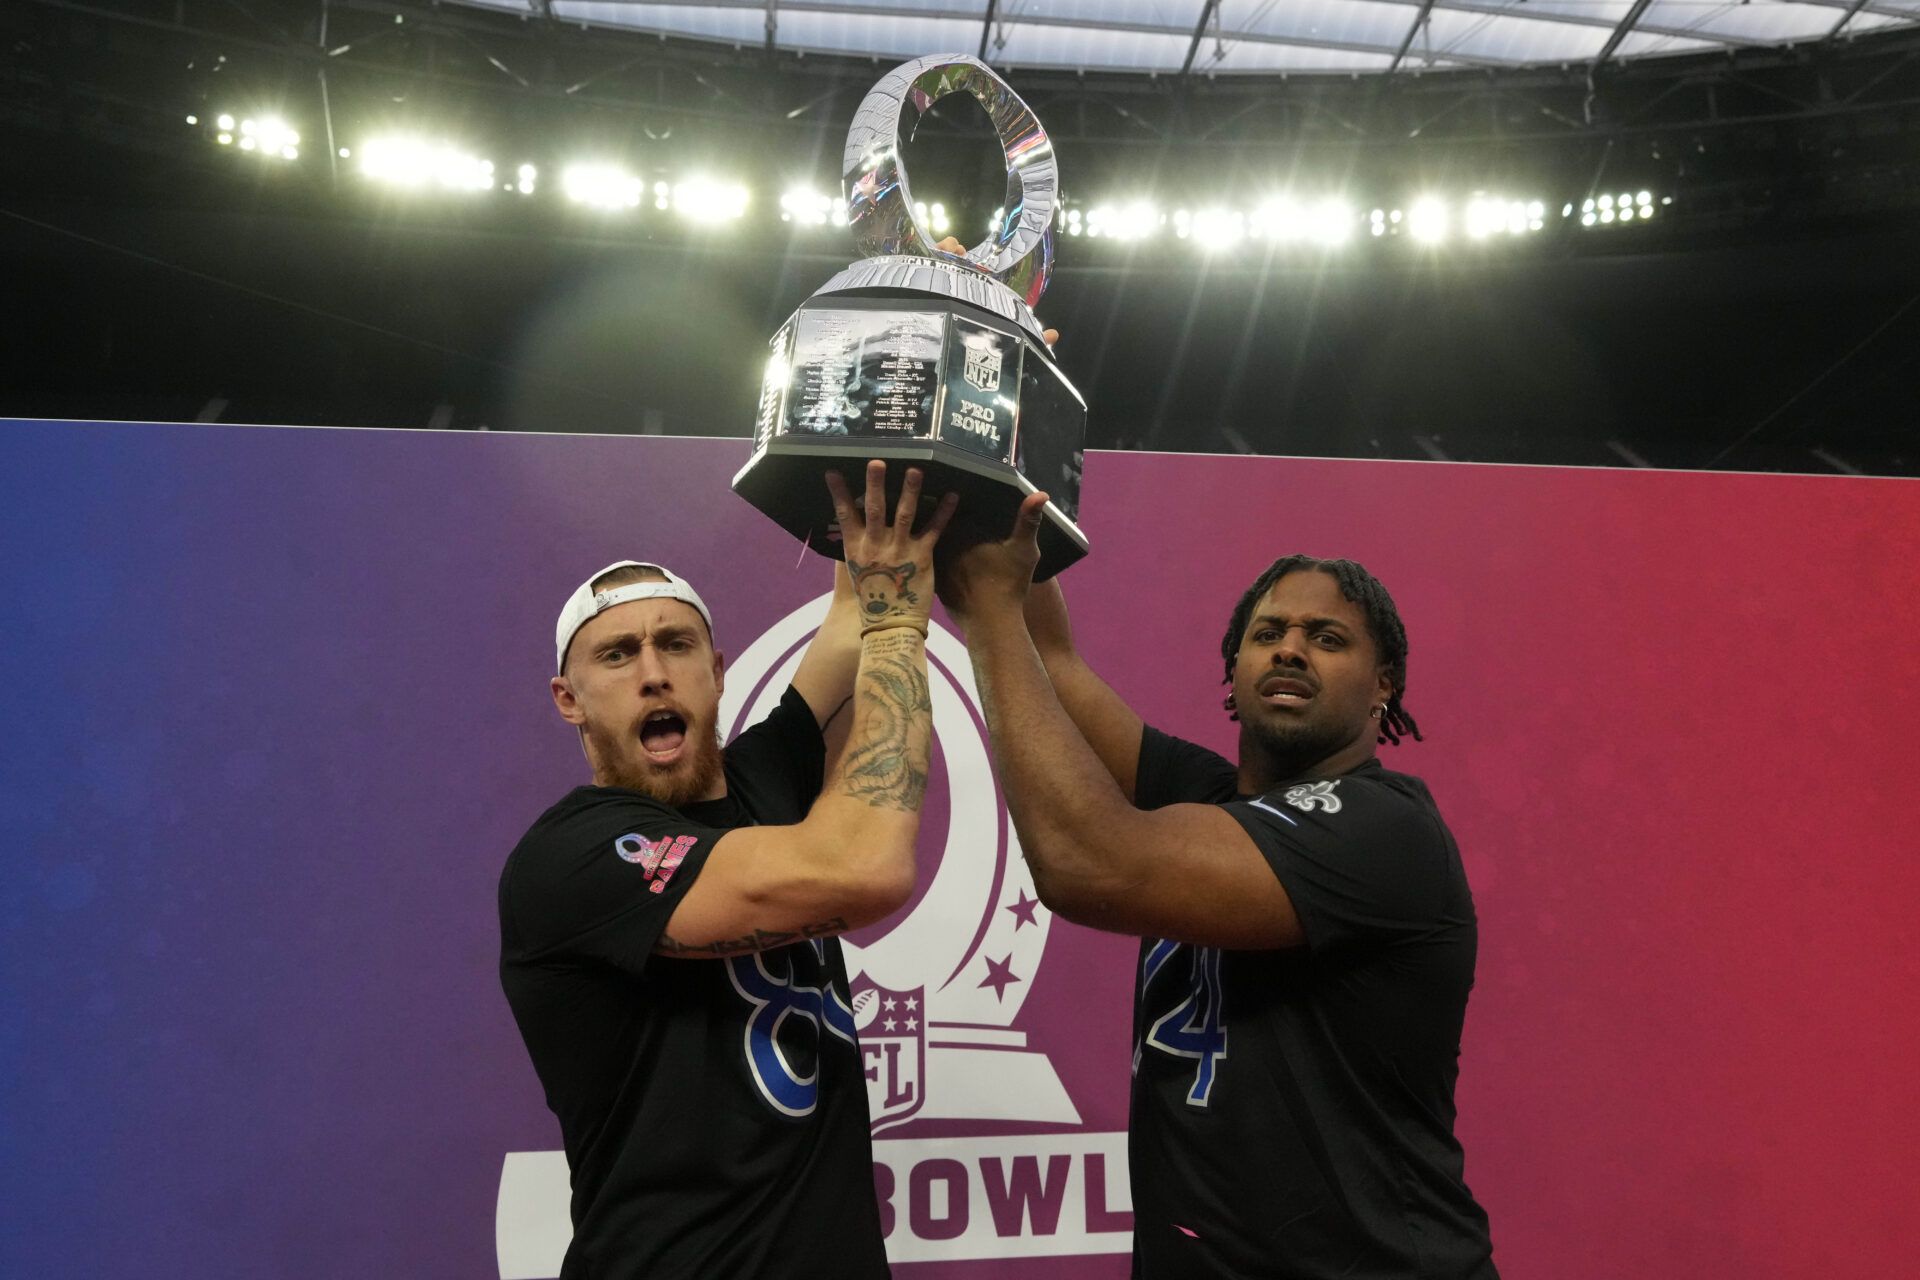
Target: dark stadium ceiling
{"x":1243,"y":37}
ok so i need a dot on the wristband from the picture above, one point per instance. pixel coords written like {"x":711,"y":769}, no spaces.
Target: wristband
{"x":895,"y":624}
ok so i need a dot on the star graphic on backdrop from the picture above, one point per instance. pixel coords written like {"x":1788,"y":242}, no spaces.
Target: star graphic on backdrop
{"x":889,"y":1024}
{"x":913,"y":1024}
{"x":1023,"y":910}
{"x":887,"y":1004}
{"x":912,"y":1003}
{"x":999,"y":975}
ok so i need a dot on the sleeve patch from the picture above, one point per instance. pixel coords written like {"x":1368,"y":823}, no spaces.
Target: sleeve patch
{"x":657,"y":859}
{"x":1309,"y":796}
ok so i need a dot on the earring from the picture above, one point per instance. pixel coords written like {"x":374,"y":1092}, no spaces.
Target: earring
{"x":1226,"y":705}
{"x":1377,"y":711}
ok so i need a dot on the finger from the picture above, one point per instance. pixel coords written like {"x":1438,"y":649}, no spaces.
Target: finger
{"x":1026,"y":524}
{"x":951,"y":244}
{"x":842,"y":501}
{"x":942,"y":514}
{"x":1051,"y":337}
{"x":876,"y":494}
{"x":909,"y":504}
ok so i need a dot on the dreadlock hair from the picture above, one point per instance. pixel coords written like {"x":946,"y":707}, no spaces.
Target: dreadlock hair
{"x":1383,"y":623}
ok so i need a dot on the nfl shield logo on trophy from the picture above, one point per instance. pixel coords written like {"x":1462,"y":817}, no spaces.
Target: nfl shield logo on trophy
{"x":893,"y":1040}
{"x":983,"y":366}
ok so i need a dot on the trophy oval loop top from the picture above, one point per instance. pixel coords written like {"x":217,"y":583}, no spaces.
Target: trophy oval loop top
{"x":1019,"y":252}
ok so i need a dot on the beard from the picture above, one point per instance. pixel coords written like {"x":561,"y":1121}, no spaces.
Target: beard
{"x":686,"y":780}
{"x":1292,"y":747}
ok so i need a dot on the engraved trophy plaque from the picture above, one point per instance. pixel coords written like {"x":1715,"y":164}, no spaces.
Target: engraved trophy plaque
{"x":920,"y":356}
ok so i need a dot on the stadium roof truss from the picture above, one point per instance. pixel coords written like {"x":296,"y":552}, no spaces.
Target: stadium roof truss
{"x":1243,"y":37}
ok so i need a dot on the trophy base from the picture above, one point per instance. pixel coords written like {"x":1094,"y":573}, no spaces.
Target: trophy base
{"x":972,"y":399}
{"x":786,"y":481}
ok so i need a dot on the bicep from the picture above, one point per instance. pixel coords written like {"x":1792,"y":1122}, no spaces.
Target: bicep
{"x":1103,"y":718}
{"x":1188,"y":873}
{"x":1098,"y":713}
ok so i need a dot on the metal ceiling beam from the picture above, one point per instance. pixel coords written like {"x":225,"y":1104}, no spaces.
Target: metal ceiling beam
{"x":1505,"y":10}
{"x":1888,"y":10}
{"x":1207,"y":11}
{"x":850,"y":8}
{"x":1489,"y":8}
{"x":986,"y":27}
{"x":1620,"y":32}
{"x":1419,"y":21}
{"x":1845,"y":18}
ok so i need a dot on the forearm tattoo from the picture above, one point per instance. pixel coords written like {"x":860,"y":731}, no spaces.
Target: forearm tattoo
{"x":885,"y":764}
{"x":758,"y":940}
{"x":886,"y":594}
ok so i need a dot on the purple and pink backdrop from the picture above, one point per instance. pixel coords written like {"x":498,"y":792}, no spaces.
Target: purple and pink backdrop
{"x":275,"y":708}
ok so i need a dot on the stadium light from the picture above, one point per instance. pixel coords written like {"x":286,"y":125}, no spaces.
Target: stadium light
{"x":1330,"y":222}
{"x":269,"y":137}
{"x":413,"y":162}
{"x":933,"y":217}
{"x":1135,"y":220}
{"x":1487,"y":216}
{"x":1427,"y":220}
{"x":709,"y":201}
{"x":806,"y":206}
{"x":529,"y":177}
{"x":607,"y":187}
{"x":1484,"y":217}
{"x":1218,"y":228}
{"x":1278,"y":219}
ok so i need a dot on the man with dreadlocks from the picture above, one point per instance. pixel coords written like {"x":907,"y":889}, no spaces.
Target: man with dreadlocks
{"x":1307,"y":933}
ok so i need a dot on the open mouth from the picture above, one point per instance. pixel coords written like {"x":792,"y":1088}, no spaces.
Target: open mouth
{"x":1286,"y":693}
{"x":662,"y":734}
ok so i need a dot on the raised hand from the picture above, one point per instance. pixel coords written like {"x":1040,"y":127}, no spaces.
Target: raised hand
{"x":989,"y":575}
{"x":891,"y":566}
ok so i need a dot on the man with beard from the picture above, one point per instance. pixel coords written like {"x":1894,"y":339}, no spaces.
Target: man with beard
{"x":669,"y":934}
{"x":1307,"y":933}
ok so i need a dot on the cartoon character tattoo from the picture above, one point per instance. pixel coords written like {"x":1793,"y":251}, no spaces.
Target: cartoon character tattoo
{"x":883,"y":588}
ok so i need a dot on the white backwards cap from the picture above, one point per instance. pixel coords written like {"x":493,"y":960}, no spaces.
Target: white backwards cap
{"x":585,"y":604}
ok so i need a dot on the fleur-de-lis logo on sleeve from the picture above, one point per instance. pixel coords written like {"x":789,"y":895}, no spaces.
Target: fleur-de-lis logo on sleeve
{"x":1312,"y":795}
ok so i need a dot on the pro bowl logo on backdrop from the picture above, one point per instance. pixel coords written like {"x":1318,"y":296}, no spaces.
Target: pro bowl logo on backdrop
{"x":973,"y":941}
{"x":937,"y":1002}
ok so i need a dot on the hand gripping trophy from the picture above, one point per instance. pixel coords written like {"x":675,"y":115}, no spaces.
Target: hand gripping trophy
{"x":925,"y":356}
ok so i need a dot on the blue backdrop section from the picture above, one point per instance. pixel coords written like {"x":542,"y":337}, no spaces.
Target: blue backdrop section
{"x":267,"y":695}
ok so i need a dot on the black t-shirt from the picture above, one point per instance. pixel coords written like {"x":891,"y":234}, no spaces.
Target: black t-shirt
{"x":713,"y":1110}
{"x":1293,"y":1110}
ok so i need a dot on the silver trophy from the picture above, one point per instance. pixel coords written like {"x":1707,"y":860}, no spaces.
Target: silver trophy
{"x":924,"y":356}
